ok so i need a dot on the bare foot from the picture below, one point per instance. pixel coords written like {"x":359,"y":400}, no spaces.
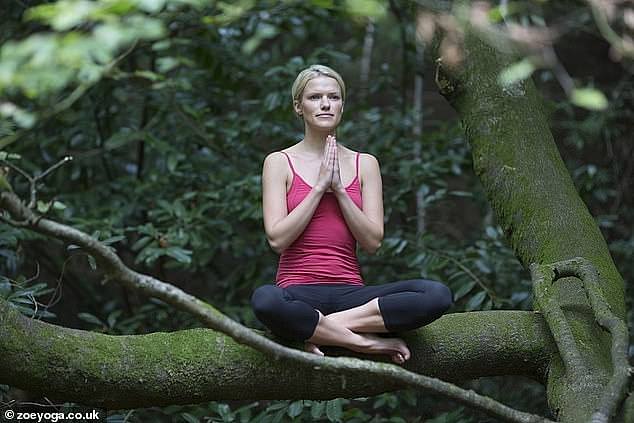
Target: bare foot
{"x":312,"y":348}
{"x":396,"y":348}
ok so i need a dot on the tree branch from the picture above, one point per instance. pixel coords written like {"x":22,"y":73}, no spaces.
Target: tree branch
{"x":119,"y":372}
{"x":214,"y":319}
{"x":543,"y":277}
{"x":537,"y":205}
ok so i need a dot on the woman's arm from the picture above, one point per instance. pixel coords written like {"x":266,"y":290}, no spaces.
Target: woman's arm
{"x":366,"y":225}
{"x":283,"y":228}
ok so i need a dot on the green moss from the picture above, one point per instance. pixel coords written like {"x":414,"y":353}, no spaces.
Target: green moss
{"x":536,"y":203}
{"x":198,"y":365}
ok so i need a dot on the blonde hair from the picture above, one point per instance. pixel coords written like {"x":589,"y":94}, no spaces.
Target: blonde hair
{"x":311,"y":72}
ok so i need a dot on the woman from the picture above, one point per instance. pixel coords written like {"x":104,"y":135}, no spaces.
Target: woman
{"x":319,"y":199}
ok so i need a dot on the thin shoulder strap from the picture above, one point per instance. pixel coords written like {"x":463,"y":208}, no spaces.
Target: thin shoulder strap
{"x":358,"y":154}
{"x":289,"y":161}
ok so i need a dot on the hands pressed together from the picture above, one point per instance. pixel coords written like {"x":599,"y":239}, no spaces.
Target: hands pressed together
{"x":329,"y":175}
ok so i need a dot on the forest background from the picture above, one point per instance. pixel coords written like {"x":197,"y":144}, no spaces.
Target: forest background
{"x":168,"y":111}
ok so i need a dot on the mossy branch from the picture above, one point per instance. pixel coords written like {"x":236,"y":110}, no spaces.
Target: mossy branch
{"x":543,"y":278}
{"x":214,"y":319}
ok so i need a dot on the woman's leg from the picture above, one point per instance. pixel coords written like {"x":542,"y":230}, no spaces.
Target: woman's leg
{"x":393,"y":307}
{"x":290,"y":313}
{"x":286,"y":316}
{"x":364,"y":318}
{"x":332,"y":333}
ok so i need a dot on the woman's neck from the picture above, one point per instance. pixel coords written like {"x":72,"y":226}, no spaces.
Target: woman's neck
{"x":314,"y":142}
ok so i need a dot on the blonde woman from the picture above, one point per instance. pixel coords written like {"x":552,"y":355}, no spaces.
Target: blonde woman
{"x":320,"y":199}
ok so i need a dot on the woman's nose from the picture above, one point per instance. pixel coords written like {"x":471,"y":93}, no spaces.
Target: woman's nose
{"x":325,"y":103}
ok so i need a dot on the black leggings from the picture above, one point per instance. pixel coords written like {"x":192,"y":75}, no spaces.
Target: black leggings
{"x":291,"y":312}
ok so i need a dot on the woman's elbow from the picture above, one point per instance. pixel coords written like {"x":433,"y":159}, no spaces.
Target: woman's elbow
{"x":372,"y":248}
{"x":275,"y":246}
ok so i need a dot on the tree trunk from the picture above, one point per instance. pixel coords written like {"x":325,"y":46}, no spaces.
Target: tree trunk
{"x":197,"y":365}
{"x":538,"y":207}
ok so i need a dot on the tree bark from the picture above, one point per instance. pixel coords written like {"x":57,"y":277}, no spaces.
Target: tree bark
{"x":197,"y":365}
{"x":538,"y":207}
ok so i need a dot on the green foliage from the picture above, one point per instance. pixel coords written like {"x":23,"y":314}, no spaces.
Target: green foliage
{"x":590,"y":98}
{"x":23,"y":294}
{"x":182,"y":102}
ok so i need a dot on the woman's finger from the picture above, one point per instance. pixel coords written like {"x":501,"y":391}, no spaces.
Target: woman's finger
{"x":327,"y":151}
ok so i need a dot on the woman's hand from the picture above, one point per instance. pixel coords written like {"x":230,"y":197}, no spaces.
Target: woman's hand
{"x":324,"y":180}
{"x":336,"y":185}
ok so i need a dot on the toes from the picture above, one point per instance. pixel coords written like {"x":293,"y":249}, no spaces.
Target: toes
{"x":407,"y":355}
{"x":398,"y":358}
{"x":312,"y":348}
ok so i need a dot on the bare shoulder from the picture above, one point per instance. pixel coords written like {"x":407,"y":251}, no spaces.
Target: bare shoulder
{"x":274,"y":160}
{"x":368,"y":162}
{"x":369,"y":168}
{"x":275,"y":166}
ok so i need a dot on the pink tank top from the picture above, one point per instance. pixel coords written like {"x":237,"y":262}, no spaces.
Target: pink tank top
{"x":326,"y":251}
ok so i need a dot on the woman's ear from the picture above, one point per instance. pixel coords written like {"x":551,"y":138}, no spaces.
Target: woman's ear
{"x":297,"y":108}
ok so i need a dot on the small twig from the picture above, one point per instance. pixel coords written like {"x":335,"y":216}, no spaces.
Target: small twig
{"x":214,"y":319}
{"x":52,"y":168}
{"x":33,"y":180}
{"x":17,"y":224}
{"x":608,"y":33}
{"x":550,"y":58}
{"x":17,"y":169}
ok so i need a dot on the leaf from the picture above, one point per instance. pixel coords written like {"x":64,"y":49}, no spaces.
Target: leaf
{"x":5,"y":288}
{"x":172,"y":162}
{"x":141,"y":242}
{"x":516,"y":72}
{"x":464,"y":290}
{"x":58,"y":205}
{"x":482,"y":266}
{"x":181,"y":255}
{"x":475,"y":301}
{"x":317,"y":409}
{"x":151,"y":6}
{"x":92,"y":262}
{"x":166,"y":64}
{"x":43,"y":207}
{"x":112,"y":317}
{"x":45,"y":314}
{"x":370,"y":8}
{"x":189,"y":418}
{"x":113,"y":239}
{"x":87,"y":317}
{"x":63,"y":15}
{"x":149,"y":75}
{"x":589,"y":98}
{"x":295,"y":409}
{"x":491,"y":232}
{"x":461,"y":193}
{"x":24,"y":310}
{"x":279,"y":416}
{"x":333,"y":410}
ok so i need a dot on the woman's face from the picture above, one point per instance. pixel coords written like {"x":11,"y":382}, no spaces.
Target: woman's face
{"x":321,"y":104}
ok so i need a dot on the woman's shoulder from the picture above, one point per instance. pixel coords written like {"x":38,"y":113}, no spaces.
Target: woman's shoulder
{"x":366,"y":160}
{"x":275,"y":162}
